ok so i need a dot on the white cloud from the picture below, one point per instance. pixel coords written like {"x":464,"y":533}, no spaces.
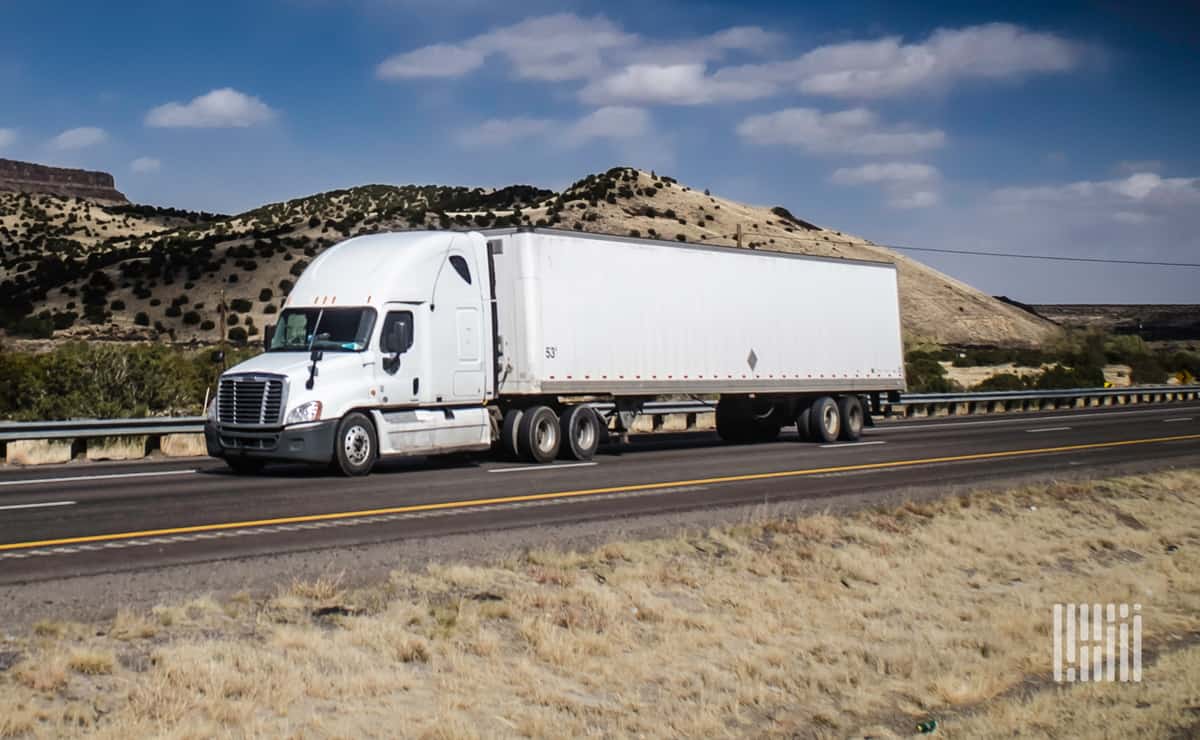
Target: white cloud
{"x":1142,"y":190}
{"x":223,"y":108}
{"x":882,"y":172}
{"x":145,"y":165}
{"x":78,"y":138}
{"x":888,"y":67}
{"x":7,"y":137}
{"x":502,"y":131}
{"x":672,"y":84}
{"x":439,"y":60}
{"x":1131,"y":167}
{"x":853,"y":131}
{"x":914,"y":199}
{"x":613,"y":122}
{"x":907,"y":184}
{"x":566,"y":46}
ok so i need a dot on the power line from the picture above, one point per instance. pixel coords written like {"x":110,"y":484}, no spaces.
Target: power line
{"x":1049,"y":257}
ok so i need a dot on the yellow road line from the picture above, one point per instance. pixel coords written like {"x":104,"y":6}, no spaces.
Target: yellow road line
{"x":306,"y":518}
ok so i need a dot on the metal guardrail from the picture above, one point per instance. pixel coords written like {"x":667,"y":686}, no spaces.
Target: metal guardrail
{"x":85,"y":428}
{"x":10,"y":431}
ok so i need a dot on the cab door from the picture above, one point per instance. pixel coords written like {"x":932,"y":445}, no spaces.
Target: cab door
{"x":399,"y":361}
{"x":459,"y":331}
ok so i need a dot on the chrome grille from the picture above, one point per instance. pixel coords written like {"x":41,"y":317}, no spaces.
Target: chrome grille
{"x":250,"y":399}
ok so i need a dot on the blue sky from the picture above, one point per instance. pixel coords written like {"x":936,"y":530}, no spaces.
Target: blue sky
{"x":1044,"y":128}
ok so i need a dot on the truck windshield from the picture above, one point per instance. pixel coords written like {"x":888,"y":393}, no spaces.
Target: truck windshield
{"x":327,"y":329}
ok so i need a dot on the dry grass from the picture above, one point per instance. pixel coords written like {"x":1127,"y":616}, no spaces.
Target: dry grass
{"x":817,"y":626}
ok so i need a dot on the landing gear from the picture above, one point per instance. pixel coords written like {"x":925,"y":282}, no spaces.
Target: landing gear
{"x":744,"y":420}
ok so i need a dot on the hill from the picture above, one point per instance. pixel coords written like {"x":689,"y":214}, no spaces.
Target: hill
{"x":166,"y":283}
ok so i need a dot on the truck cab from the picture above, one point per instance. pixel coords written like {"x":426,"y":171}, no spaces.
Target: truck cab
{"x":383,"y":347}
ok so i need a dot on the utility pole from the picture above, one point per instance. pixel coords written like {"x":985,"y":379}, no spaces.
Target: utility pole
{"x":221,"y":325}
{"x":739,"y":235}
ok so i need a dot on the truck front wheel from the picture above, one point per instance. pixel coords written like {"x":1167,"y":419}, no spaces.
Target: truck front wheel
{"x":539,"y":437}
{"x":355,"y":446}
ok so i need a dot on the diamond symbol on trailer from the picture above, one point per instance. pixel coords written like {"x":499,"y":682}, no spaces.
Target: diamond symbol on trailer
{"x":752,"y":360}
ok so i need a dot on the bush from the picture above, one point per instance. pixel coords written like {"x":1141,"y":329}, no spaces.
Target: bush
{"x":237,"y":334}
{"x":1059,"y":376}
{"x":207,"y":325}
{"x":1147,"y":370}
{"x":191,"y":318}
{"x":285,"y":286}
{"x":1001,"y":382}
{"x":241,"y":305}
{"x":117,"y":305}
{"x":141,"y":319}
{"x":232,"y":319}
{"x":173,"y":311}
{"x":270,"y":308}
{"x":265,"y":295}
{"x":926,"y":375}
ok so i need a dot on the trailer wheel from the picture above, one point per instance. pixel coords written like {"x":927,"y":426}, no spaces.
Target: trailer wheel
{"x":580,"y":427}
{"x":538,"y":438}
{"x":355,"y":446}
{"x":825,"y":421}
{"x":244,"y":465}
{"x":851,"y":410}
{"x":804,"y":421}
{"x":509,"y":433}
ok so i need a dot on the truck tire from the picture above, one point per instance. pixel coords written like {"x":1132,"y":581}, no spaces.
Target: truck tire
{"x":851,"y":410}
{"x":509,"y":433}
{"x":824,"y":420}
{"x":580,"y":433}
{"x":244,"y":465}
{"x":538,"y":435}
{"x":804,"y":421}
{"x":355,"y":446}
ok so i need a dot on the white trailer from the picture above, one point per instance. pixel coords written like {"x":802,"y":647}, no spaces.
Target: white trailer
{"x":430,"y":342}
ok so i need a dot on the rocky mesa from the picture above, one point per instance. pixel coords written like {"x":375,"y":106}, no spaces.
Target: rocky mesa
{"x":27,"y":177}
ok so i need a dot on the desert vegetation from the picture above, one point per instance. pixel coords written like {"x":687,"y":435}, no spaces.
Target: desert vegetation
{"x":867,"y":624}
{"x":138,"y":257}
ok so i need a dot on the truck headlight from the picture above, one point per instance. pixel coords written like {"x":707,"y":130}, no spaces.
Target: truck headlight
{"x":211,"y":411}
{"x":305,"y":412}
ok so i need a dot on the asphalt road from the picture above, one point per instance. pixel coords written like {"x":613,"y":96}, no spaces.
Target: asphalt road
{"x":86,"y":519}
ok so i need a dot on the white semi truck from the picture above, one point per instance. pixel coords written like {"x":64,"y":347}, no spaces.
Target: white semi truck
{"x":429,"y":342}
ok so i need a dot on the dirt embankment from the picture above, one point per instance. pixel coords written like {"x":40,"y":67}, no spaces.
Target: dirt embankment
{"x":866,"y":624}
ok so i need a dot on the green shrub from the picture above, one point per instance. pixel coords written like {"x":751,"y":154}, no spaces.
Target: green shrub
{"x":265,"y":295}
{"x":1147,"y":370}
{"x":191,"y":318}
{"x":173,"y":311}
{"x":141,"y":318}
{"x":1059,"y":376}
{"x":117,"y":305}
{"x":237,"y":334}
{"x":926,"y":375}
{"x":1001,"y":382}
{"x":241,"y":305}
{"x":207,"y":325}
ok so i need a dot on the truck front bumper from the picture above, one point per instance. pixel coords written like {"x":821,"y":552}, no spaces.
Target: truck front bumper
{"x":311,"y":443}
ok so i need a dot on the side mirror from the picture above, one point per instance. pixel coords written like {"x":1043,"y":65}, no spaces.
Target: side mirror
{"x":268,"y":334}
{"x":316,"y":356}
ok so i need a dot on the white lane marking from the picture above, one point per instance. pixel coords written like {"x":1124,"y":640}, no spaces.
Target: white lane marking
{"x":837,"y":445}
{"x":1081,"y":416}
{"x":542,"y":467}
{"x":37,"y":506}
{"x":1178,"y":418}
{"x":108,"y":476}
{"x":1048,"y":429}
